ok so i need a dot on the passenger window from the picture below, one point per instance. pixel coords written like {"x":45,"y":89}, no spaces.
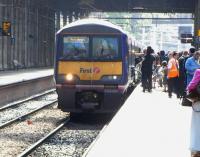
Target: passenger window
{"x":75,"y":47}
{"x":105,"y":48}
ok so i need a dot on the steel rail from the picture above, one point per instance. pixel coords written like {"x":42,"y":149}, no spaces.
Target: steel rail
{"x":27,"y":114}
{"x":42,"y":140}
{"x":10,"y":105}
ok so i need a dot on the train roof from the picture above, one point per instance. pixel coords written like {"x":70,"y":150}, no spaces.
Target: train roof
{"x":91,"y":26}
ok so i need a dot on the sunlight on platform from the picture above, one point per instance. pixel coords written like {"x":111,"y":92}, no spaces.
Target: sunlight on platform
{"x":149,"y":124}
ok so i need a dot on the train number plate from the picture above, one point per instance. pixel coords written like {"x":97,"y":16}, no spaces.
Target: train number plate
{"x":89,"y":105}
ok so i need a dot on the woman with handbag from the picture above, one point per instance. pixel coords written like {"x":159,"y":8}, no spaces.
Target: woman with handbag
{"x":194,"y":86}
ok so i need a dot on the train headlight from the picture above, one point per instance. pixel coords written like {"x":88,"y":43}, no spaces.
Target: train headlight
{"x":111,"y":78}
{"x":69,"y":77}
{"x":114,"y":77}
{"x":95,"y":95}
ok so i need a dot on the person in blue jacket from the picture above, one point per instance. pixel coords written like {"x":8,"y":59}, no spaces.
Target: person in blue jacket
{"x":191,"y":65}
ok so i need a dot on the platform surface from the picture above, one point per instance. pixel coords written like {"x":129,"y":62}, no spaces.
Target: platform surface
{"x":11,"y":77}
{"x":148,"y":125}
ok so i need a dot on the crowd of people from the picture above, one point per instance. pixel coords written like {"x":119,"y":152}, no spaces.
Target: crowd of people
{"x":172,"y":70}
{"x":178,"y":73}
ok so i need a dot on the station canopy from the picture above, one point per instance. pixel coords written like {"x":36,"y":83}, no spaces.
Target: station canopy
{"x":162,"y":6}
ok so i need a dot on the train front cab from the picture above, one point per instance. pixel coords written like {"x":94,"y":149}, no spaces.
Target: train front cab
{"x":92,"y":83}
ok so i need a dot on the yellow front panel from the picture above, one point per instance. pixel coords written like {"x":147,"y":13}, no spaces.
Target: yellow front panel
{"x":90,"y":70}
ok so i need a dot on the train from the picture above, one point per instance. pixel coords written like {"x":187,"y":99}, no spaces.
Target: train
{"x":94,"y":66}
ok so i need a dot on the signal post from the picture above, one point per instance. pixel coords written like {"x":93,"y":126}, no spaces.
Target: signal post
{"x":6,"y":28}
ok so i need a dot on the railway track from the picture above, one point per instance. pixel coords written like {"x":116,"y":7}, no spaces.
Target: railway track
{"x":71,"y":140}
{"x":10,"y":105}
{"x":22,"y":131}
{"x":28,"y":143}
{"x":47,"y":131}
{"x":10,"y":120}
{"x":25,"y":115}
{"x":42,"y":140}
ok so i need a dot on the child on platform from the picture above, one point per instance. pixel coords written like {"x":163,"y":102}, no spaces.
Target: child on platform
{"x":163,"y":71}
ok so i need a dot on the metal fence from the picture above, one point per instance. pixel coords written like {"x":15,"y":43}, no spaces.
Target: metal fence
{"x":31,"y":43}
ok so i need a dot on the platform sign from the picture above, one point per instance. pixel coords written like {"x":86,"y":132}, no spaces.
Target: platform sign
{"x":185,"y":40}
{"x":6,"y":28}
{"x":185,"y":30}
{"x":185,"y":34}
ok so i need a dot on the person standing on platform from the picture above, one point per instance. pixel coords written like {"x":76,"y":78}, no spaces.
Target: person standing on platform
{"x":162,"y":56}
{"x":182,"y":73}
{"x":146,"y":69}
{"x":191,"y":65}
{"x":172,"y":75}
{"x":195,"y":123}
{"x":191,"y":52}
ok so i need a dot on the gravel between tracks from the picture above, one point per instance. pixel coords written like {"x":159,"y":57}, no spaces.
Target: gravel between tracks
{"x":24,"y":108}
{"x":16,"y":138}
{"x":72,"y":141}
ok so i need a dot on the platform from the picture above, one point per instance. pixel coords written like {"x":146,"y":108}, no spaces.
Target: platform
{"x":148,"y":125}
{"x":11,"y":77}
{"x":17,"y":85}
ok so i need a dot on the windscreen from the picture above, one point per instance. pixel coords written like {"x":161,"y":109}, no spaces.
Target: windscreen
{"x":75,"y":47}
{"x":90,"y":47}
{"x":105,"y":48}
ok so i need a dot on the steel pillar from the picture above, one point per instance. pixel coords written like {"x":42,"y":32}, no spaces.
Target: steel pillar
{"x":57,"y":20}
{"x":64,"y":18}
{"x":70,"y":17}
{"x":197,"y":20}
